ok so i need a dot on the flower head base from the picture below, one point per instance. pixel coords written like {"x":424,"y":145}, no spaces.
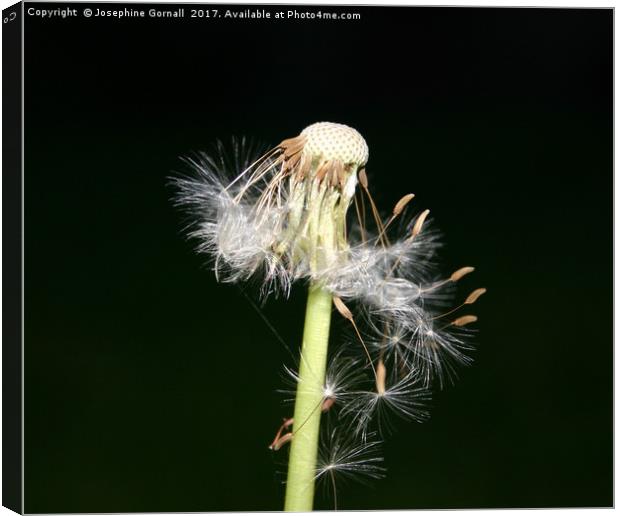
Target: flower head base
{"x":285,"y":213}
{"x":320,"y":166}
{"x":328,"y":141}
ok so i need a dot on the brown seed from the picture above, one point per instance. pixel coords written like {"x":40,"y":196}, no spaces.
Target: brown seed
{"x":304,"y":166}
{"x":278,"y":441}
{"x":363,"y":177}
{"x":276,"y":445}
{"x":291,"y":162}
{"x":381,"y":374}
{"x":342,"y":308}
{"x":293,"y":145}
{"x":418,"y":223}
{"x":322,"y":170}
{"x":472,"y":298}
{"x":457,"y":275}
{"x":327,"y":404}
{"x":337,"y":170}
{"x":289,"y":153}
{"x":343,"y":172}
{"x":287,"y":143}
{"x":400,"y":205}
{"x":464,"y":319}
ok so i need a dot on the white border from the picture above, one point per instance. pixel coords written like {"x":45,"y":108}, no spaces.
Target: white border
{"x":461,"y":3}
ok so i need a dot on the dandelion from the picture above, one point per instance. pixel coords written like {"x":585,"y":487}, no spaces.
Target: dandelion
{"x":282,"y":218}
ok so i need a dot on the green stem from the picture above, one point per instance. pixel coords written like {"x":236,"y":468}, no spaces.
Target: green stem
{"x":307,"y":416}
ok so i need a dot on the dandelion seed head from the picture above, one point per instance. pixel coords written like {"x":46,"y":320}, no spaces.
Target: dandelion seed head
{"x":281,"y":216}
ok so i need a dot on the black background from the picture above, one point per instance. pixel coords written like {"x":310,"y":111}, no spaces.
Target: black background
{"x":150,"y":387}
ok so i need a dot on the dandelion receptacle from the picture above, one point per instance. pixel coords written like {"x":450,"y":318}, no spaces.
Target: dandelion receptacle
{"x":303,"y":212}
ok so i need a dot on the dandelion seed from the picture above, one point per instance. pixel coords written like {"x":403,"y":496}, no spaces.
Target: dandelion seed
{"x":404,"y":398}
{"x":342,"y":455}
{"x":439,"y":352}
{"x":393,"y":344}
{"x":342,"y":459}
{"x":343,"y":376}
